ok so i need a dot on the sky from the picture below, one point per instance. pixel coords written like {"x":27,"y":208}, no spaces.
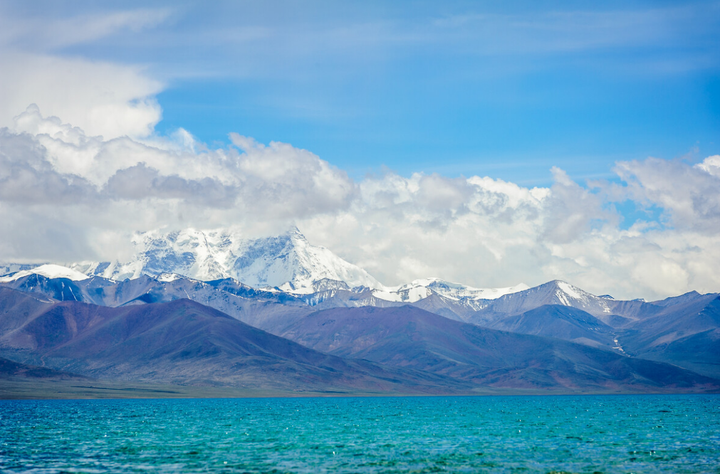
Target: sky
{"x":488,"y":143}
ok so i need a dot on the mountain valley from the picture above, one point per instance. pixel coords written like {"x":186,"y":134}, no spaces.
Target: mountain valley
{"x":301,"y":319}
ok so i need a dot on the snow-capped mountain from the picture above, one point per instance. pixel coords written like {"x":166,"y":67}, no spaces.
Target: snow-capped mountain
{"x":291,"y":264}
{"x":287,"y":261}
{"x":451,"y":300}
{"x":558,"y":293}
{"x":49,"y":271}
{"x":420,"y":289}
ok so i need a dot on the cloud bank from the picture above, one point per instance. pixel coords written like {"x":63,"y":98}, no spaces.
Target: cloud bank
{"x":66,"y":195}
{"x":103,"y":98}
{"x":83,"y":169}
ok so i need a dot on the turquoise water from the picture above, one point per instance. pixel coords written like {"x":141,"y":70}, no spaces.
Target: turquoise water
{"x":433,"y":434}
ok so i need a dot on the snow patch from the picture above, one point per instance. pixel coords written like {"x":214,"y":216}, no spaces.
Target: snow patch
{"x":50,"y":271}
{"x":422,"y":288}
{"x":570,"y":290}
{"x":563,"y":299}
{"x":287,"y":261}
{"x":168,"y":277}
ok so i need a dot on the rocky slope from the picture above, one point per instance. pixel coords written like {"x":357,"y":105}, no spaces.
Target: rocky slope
{"x":185,"y":343}
{"x":409,"y":337}
{"x":287,"y":260}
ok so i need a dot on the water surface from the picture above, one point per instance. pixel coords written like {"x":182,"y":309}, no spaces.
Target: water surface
{"x":366,"y":435}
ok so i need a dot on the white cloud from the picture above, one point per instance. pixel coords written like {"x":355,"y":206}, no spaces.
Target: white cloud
{"x":499,"y":234}
{"x":689,"y":195}
{"x":90,"y":186}
{"x":711,"y":165}
{"x":102,"y":98}
{"x":74,"y":192}
{"x":52,"y":33}
{"x":65,"y":196}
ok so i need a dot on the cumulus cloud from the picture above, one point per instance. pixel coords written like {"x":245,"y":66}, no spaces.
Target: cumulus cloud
{"x":67,"y":195}
{"x":493,"y":233}
{"x":121,"y":185}
{"x":79,"y":178}
{"x":571,"y":210}
{"x":42,"y":34}
{"x":102,"y":98}
{"x":688,"y":194}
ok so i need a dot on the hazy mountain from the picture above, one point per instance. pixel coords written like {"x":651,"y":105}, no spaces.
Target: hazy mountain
{"x":258,"y":308}
{"x":552,"y":293}
{"x":686,"y":332}
{"x":682,"y":330}
{"x":562,"y":322}
{"x":47,"y":270}
{"x":94,"y":340}
{"x":183,"y":342}
{"x":412,"y":338}
{"x":287,"y":260}
{"x":452,"y":300}
{"x":679,"y":330}
{"x":229,"y":296}
{"x":484,"y":306}
{"x":319,"y":278}
{"x":423,"y":288}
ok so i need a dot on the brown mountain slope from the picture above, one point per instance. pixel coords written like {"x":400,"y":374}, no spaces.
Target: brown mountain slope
{"x":183,"y":342}
{"x":412,"y":338}
{"x":686,"y":334}
{"x":16,"y":371}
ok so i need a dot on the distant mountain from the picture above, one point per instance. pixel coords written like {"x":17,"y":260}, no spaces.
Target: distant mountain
{"x":288,"y":261}
{"x":255,"y":307}
{"x":420,"y":289}
{"x":562,"y":322}
{"x":409,"y":337}
{"x":558,"y":293}
{"x":381,"y":350}
{"x":480,"y":306}
{"x":684,"y":331}
{"x":183,"y":342}
{"x":679,"y":330}
{"x":451,"y":300}
{"x":49,"y":271}
{"x":484,"y":307}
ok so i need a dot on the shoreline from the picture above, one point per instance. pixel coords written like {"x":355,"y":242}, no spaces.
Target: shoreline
{"x":114,"y":390}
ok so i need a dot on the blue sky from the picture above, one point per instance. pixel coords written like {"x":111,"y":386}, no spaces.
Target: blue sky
{"x":507,"y":89}
{"x":507,"y":92}
{"x":489,"y":143}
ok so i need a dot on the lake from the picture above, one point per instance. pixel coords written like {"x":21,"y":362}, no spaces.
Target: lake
{"x":634,"y":433}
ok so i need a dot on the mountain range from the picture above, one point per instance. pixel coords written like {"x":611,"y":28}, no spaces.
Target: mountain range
{"x":288,"y":260}
{"x":211,"y":309}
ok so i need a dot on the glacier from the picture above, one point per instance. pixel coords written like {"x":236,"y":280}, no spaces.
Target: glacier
{"x":287,"y":262}
{"x":49,"y":271}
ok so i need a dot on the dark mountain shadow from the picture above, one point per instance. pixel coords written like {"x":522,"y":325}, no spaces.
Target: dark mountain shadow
{"x":183,"y":342}
{"x":412,"y":338}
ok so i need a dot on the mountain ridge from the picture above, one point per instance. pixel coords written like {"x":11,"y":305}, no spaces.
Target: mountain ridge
{"x":411,"y":337}
{"x":682,"y":330}
{"x":286,"y":262}
{"x":183,"y":342}
{"x":404,"y":350}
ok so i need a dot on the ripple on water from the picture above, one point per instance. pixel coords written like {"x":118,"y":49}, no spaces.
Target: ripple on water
{"x":367,"y":435}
